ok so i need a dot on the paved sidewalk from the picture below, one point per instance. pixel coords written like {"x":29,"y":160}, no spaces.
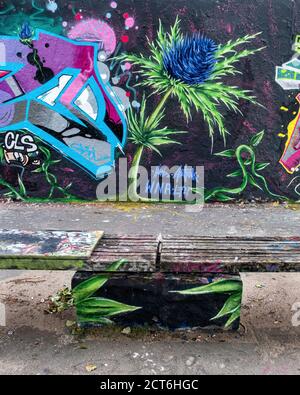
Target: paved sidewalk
{"x":213,"y":220}
{"x":269,"y":340}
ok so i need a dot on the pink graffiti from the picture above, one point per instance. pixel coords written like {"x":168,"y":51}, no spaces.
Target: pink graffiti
{"x":290,"y":159}
{"x":94,"y":30}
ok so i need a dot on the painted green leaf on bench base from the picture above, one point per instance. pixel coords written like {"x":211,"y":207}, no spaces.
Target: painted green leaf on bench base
{"x":235,"y":316}
{"x":91,"y":310}
{"x":94,"y":310}
{"x":222,"y":286}
{"x":232,"y":306}
{"x":87,"y":288}
{"x":104,"y":307}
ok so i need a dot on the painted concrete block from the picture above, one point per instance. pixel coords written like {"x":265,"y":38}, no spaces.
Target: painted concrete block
{"x":158,"y":300}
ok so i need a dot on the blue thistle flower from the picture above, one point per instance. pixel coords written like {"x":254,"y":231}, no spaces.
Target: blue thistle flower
{"x":26,"y":32}
{"x":192,"y":69}
{"x":191,"y":60}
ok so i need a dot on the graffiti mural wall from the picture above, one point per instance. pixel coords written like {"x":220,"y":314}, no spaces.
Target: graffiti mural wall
{"x":85,"y":84}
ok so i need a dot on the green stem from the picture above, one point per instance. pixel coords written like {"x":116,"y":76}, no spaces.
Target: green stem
{"x":51,"y":178}
{"x":39,"y":10}
{"x":260,"y":177}
{"x":7,"y":9}
{"x":12,"y":189}
{"x":132,"y":187}
{"x":159,"y":108}
{"x":235,"y":191}
{"x":265,"y":185}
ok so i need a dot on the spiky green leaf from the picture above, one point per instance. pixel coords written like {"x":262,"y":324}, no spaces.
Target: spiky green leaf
{"x":146,"y":132}
{"x":257,"y":139}
{"x":95,"y":319}
{"x":205,"y":98}
{"x":87,"y":288}
{"x":237,"y":173}
{"x":104,"y":307}
{"x":220,"y":287}
{"x":261,"y":166}
{"x":38,"y":170}
{"x":253,"y":182}
{"x":234,"y":317}
{"x":232,"y":304}
{"x":231,"y":46}
{"x":23,"y":191}
{"x":1,"y":153}
{"x":221,"y":197}
{"x":231,"y":153}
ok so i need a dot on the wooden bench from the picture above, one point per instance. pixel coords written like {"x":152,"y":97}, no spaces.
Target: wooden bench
{"x":156,"y":266}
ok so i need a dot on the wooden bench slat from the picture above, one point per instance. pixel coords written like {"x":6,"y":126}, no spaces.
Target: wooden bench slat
{"x":177,"y":256}
{"x":140,"y":251}
{"x":230,"y":238}
{"x":166,"y":254}
{"x":230,"y":251}
{"x":230,"y":254}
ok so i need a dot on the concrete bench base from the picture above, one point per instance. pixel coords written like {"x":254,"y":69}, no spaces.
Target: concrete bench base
{"x":159,"y":305}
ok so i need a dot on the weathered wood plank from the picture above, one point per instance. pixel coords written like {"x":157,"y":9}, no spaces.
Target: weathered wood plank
{"x":231,"y":238}
{"x":229,"y":254}
{"x":273,"y":247}
{"x":198,"y":254}
{"x":141,"y":252}
{"x":233,"y":267}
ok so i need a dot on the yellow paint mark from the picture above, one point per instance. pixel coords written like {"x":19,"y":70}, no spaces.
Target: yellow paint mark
{"x":284,"y":109}
{"x":295,"y":113}
{"x":281,"y":135}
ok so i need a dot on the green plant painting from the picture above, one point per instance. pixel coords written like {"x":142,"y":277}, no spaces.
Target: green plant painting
{"x":232,"y":307}
{"x":146,"y":133}
{"x":249,"y":171}
{"x":91,"y":309}
{"x":190,"y":69}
